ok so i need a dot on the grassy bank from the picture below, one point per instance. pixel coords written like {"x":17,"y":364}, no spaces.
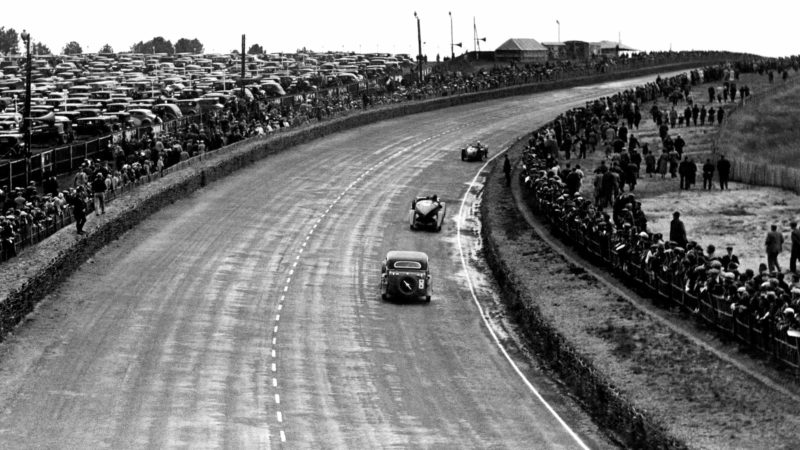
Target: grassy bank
{"x":768,"y":130}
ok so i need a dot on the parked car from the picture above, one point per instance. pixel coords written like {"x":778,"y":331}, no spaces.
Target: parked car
{"x":96,"y":126}
{"x":427,"y":212}
{"x":406,"y":275}
{"x":143,"y":117}
{"x":167,"y":111}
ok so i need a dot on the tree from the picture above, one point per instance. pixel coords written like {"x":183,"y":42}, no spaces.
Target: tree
{"x":41,"y":49}
{"x":73,"y":48}
{"x":106,"y":49}
{"x":9,"y":41}
{"x":188,"y":46}
{"x":256,"y":49}
{"x":155,"y":45}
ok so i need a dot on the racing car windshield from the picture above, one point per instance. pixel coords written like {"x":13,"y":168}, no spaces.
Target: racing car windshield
{"x":407,"y":265}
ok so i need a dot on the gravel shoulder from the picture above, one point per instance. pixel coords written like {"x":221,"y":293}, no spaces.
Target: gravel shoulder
{"x":699,"y":398}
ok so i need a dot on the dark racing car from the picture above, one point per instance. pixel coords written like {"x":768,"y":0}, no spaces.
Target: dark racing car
{"x":427,"y":212}
{"x":477,"y":152}
{"x":405,"y":275}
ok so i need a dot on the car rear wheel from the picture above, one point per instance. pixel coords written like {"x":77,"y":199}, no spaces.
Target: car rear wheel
{"x":427,"y":299}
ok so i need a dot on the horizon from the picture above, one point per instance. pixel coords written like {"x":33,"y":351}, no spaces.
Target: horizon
{"x":364,"y":27}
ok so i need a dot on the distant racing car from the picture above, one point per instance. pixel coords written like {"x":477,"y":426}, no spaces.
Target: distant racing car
{"x":476,"y":152}
{"x":427,"y":212}
{"x":405,"y":274}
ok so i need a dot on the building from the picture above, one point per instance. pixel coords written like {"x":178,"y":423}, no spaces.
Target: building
{"x":613,"y":49}
{"x":555,"y":50}
{"x":521,"y":50}
{"x":580,"y":50}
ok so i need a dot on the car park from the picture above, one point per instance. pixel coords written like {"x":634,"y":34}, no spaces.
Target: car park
{"x":406,"y":275}
{"x":427,"y":212}
{"x":476,"y":152}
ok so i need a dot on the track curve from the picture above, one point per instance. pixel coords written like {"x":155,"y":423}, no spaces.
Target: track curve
{"x":247,"y":316}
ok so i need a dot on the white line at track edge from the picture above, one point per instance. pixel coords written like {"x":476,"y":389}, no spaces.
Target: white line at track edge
{"x":485,"y":319}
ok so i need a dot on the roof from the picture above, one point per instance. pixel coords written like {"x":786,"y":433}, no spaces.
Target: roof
{"x":407,"y":256}
{"x":607,"y":45}
{"x":522,"y":44}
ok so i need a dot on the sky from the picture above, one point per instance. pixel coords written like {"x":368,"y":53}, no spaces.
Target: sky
{"x":765,"y":28}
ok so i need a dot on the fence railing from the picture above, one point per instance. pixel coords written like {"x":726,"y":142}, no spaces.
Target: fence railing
{"x":712,"y":310}
{"x":68,"y":158}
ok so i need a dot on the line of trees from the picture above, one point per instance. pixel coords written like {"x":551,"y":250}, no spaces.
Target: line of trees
{"x":10,"y":40}
{"x":160,"y":45}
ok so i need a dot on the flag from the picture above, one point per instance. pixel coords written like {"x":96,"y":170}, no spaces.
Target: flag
{"x":558,"y":22}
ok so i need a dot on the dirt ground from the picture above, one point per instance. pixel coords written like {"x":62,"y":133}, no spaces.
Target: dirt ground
{"x":739,"y":217}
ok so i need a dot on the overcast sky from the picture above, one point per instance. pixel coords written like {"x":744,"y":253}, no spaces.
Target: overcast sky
{"x":765,"y":28}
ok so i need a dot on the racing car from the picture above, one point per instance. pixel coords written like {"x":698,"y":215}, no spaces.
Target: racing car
{"x":477,"y":152}
{"x":405,"y":274}
{"x":427,"y":212}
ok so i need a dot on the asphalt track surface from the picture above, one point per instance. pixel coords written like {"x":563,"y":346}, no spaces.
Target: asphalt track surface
{"x":248,"y":315}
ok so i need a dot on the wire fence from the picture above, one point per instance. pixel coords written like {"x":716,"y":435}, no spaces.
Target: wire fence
{"x":747,"y":171}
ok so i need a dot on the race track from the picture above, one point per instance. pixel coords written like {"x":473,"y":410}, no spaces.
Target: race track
{"x":248,"y":315}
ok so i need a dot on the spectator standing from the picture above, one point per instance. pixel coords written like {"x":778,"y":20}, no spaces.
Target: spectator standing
{"x":507,"y":170}
{"x":720,"y":116}
{"x":677,"y":231}
{"x":663,"y":164}
{"x":729,"y":258}
{"x":683,"y":171}
{"x":708,"y":174}
{"x":703,"y":113}
{"x":99,"y":191}
{"x":650,"y":163}
{"x":795,"y":247}
{"x":724,"y":169}
{"x":691,"y":174}
{"x":774,"y":245}
{"x":78,"y":209}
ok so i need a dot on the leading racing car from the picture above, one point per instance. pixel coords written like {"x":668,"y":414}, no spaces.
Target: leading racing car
{"x":477,"y":152}
{"x":427,"y":212}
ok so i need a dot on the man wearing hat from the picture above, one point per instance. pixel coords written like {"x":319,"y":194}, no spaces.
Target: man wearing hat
{"x":677,"y":231}
{"x":729,"y":258}
{"x":774,"y":245}
{"x":99,"y":190}
{"x":78,"y":210}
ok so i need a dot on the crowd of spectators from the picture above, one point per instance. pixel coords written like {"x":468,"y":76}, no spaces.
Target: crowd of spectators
{"x":765,"y":297}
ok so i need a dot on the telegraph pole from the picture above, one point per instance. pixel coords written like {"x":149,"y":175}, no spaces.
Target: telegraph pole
{"x":419,"y":46}
{"x":452,"y":53}
{"x":243,"y":59}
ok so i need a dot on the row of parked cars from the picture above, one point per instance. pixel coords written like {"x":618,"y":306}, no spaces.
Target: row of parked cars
{"x":75,"y":96}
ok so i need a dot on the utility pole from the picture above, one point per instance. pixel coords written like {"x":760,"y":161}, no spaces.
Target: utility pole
{"x":243,"y":59}
{"x":559,"y":30}
{"x":26,"y":119}
{"x":419,"y":46}
{"x":452,"y":53}
{"x":476,"y":44}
